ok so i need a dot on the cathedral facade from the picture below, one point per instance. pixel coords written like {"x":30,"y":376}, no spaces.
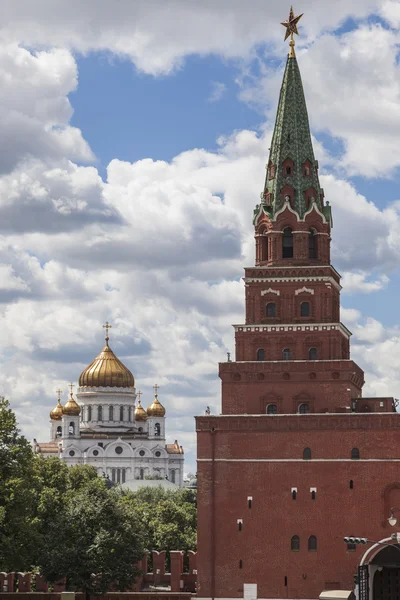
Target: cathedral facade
{"x":108,"y":428}
{"x":298,"y":459}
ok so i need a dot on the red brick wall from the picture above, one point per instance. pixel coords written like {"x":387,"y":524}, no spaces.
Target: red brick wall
{"x":261,"y":457}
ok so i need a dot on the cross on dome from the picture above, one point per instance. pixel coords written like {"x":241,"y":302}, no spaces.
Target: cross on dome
{"x":71,"y":387}
{"x":59,"y":392}
{"x":139,"y":395}
{"x":156,"y":388}
{"x":107,"y":327}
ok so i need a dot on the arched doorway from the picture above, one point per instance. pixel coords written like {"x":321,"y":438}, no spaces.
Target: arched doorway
{"x":385,"y":570}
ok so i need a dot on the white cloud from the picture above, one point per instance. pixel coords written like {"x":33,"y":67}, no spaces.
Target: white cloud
{"x":218,"y":89}
{"x":357,"y":282}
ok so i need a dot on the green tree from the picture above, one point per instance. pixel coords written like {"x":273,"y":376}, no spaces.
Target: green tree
{"x":17,"y":495}
{"x":95,"y":541}
{"x":168,"y":517}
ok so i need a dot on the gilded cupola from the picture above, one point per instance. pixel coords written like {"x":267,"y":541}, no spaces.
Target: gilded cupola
{"x":156,"y":409}
{"x":140,"y":413}
{"x":106,"y":370}
{"x":57,"y":411}
{"x":71,"y":407}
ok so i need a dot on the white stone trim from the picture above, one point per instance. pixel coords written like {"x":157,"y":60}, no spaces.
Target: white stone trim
{"x":314,"y":279}
{"x":293,"y":490}
{"x":304,"y":289}
{"x":108,"y":390}
{"x":298,"y":460}
{"x":314,"y":206}
{"x":286,"y":205}
{"x":292,"y":327}
{"x":270,"y":291}
{"x":313,"y":490}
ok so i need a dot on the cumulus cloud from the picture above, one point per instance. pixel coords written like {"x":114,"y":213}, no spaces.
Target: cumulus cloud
{"x":357,"y":282}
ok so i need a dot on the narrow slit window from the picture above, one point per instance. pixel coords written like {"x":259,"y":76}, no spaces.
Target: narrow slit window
{"x":313,"y":495}
{"x":240,"y":525}
{"x":305,"y":309}
{"x":294,"y":494}
{"x":351,"y":484}
{"x":240,"y":564}
{"x":250,"y":502}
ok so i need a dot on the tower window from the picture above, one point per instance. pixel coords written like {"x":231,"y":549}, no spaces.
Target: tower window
{"x":286,"y":354}
{"x":249,"y":501}
{"x":351,"y":484}
{"x":121,"y":413}
{"x":111,"y":413}
{"x":287,"y":243}
{"x":295,"y":543}
{"x":313,"y":495}
{"x":240,"y":564}
{"x":312,"y":354}
{"x":307,"y":454}
{"x":130,"y":414}
{"x":59,"y":431}
{"x":260,"y":354}
{"x":89,"y":413}
{"x":304,"y":409}
{"x":157,"y":429}
{"x":294,"y":494}
{"x":173,"y":475}
{"x":271,"y":309}
{"x":71,"y":428}
{"x":312,"y":244}
{"x":355,"y":454}
{"x":312,"y":543}
{"x":305,"y":309}
{"x":99,"y":413}
{"x":288,"y":170}
{"x":272,"y":409}
{"x":240,"y":525}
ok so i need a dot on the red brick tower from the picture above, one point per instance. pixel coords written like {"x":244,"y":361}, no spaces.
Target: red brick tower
{"x":288,"y":469}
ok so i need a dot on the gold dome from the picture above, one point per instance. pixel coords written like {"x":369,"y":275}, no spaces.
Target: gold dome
{"x":156,"y":409}
{"x":140,"y":413}
{"x":57,"y":411}
{"x":71,"y":408}
{"x":106,"y":371}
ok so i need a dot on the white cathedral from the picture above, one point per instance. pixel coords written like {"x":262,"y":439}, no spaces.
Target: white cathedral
{"x":107,"y":429}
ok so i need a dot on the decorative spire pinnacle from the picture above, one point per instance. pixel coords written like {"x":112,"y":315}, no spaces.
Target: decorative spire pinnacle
{"x":139,"y":395}
{"x":59,"y":392}
{"x":71,"y":387}
{"x":291,"y":29}
{"x":156,"y":388}
{"x":107,"y":326}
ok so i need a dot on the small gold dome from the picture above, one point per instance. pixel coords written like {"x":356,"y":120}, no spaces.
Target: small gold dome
{"x":106,"y":371}
{"x":156,"y":409}
{"x":57,"y":411}
{"x":140,"y":413}
{"x":71,"y":408}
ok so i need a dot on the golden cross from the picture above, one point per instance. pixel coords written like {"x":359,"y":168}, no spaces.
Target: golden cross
{"x":156,"y":388}
{"x":71,"y":386}
{"x":291,"y":29}
{"x":107,"y":326}
{"x":59,"y":392}
{"x":139,"y":394}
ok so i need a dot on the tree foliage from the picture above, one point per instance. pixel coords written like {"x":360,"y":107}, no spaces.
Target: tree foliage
{"x":67,"y":522}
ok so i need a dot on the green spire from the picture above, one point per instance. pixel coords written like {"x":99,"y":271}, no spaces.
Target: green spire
{"x":291,"y":140}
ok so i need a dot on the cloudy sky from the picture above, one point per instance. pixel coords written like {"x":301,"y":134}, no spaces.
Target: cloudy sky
{"x":133,"y":143}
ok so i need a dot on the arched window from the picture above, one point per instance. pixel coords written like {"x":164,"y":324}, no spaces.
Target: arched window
{"x":111,"y":413}
{"x":271,"y":309}
{"x":355,"y":453}
{"x":99,"y":413}
{"x":305,"y":309}
{"x":173,"y":475}
{"x":304,"y":409}
{"x":287,"y":243}
{"x":312,"y":543}
{"x":157,"y":429}
{"x":294,"y":494}
{"x":272,"y":409}
{"x":312,"y":244}
{"x":71,"y":428}
{"x":141,"y":473}
{"x":59,"y":431}
{"x":295,"y":543}
{"x":307,"y":454}
{"x":121,"y":413}
{"x":312,"y":354}
{"x":260,"y":354}
{"x":286,"y":354}
{"x":89,"y":413}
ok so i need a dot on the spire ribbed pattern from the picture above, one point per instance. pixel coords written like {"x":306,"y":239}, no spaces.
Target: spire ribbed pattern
{"x":106,"y":371}
{"x":291,"y":140}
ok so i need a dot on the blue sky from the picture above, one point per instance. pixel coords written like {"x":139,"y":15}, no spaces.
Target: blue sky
{"x":158,"y":247}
